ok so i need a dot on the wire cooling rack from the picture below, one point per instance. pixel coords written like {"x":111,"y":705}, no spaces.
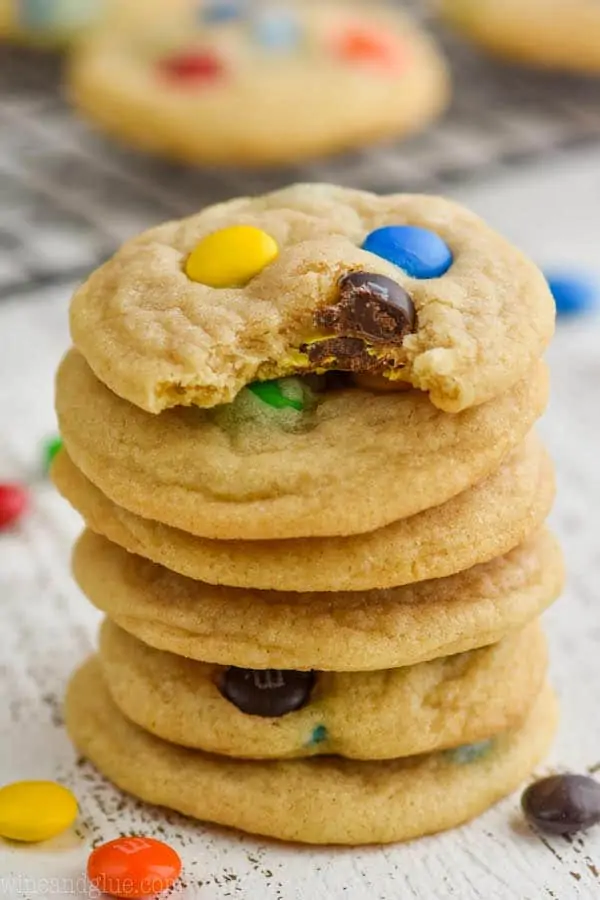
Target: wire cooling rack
{"x":69,"y":197}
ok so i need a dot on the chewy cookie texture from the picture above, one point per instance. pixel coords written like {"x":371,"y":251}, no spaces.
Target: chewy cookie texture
{"x":314,"y":507}
{"x":159,"y":339}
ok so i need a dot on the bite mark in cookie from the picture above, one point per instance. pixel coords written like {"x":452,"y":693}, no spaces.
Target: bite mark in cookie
{"x":372,"y":316}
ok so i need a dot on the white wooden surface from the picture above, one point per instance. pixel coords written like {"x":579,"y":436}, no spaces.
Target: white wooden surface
{"x":47,"y":628}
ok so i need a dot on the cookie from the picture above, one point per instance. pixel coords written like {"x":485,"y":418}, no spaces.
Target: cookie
{"x":283,"y":305}
{"x":327,"y":800}
{"x":270,"y":85}
{"x":275,"y":714}
{"x":337,"y":632}
{"x":486,"y":521}
{"x":218,"y":474}
{"x":557,"y":34}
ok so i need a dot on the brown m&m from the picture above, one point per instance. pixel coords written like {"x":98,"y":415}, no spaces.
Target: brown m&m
{"x":269,"y":693}
{"x":370,"y":306}
{"x":562,"y":804}
{"x":372,"y":315}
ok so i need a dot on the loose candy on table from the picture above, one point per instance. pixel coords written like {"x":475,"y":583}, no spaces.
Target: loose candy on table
{"x":573,"y":294}
{"x":34,"y":811}
{"x":51,"y":448}
{"x":419,"y":252}
{"x":13,"y":503}
{"x":133,"y":867}
{"x":269,"y":693}
{"x":231,"y":256}
{"x":192,"y":68}
{"x":562,"y":804}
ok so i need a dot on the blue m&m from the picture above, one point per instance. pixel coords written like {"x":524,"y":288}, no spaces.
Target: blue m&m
{"x":469,"y":753}
{"x":276,"y":29}
{"x":573,"y":294}
{"x":417,"y":251}
{"x":214,"y":12}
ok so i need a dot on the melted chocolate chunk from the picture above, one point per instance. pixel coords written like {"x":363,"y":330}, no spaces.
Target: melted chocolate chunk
{"x":562,"y":804}
{"x":266,"y":692}
{"x":372,"y":307}
{"x":345,"y":353}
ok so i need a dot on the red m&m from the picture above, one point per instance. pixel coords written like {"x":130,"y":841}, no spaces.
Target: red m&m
{"x":133,"y":867}
{"x":192,"y":67}
{"x":13,"y":503}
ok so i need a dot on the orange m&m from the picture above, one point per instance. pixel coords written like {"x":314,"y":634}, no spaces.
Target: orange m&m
{"x":133,"y":867}
{"x":372,"y":46}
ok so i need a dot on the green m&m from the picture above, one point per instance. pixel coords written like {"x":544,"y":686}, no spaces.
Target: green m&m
{"x":272,"y":393}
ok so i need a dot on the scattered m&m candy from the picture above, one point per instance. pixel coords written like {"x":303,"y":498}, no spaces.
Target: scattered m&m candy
{"x":13,"y":503}
{"x":562,"y":804}
{"x":231,"y":256}
{"x":35,"y":811}
{"x":51,"y":448}
{"x":573,"y":294}
{"x":133,"y":867}
{"x":417,"y":251}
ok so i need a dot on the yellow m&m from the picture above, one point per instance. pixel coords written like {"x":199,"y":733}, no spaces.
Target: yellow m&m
{"x":35,"y":810}
{"x":231,"y":256}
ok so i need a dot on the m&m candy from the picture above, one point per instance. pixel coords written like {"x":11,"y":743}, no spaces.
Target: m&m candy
{"x":366,"y":45}
{"x":562,"y":804}
{"x":417,"y":251}
{"x":51,"y":448}
{"x":35,"y":810}
{"x":133,"y":867}
{"x":276,"y":29}
{"x":269,"y":693}
{"x":573,"y":294}
{"x":271,"y":393}
{"x":191,"y":67}
{"x":468,"y":753}
{"x":215,"y":12}
{"x":231,"y":256}
{"x":13,"y":503}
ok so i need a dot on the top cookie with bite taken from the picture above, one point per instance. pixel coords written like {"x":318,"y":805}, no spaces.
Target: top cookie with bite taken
{"x":314,"y":278}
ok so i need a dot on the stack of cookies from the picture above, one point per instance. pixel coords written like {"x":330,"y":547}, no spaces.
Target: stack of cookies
{"x":299,"y":430}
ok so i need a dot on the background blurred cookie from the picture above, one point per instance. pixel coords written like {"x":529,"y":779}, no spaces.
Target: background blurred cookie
{"x":563,"y":34}
{"x":233,"y":82}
